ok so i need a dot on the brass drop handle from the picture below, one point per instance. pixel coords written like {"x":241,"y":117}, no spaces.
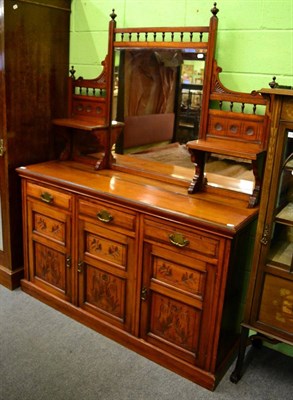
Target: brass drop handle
{"x":79,"y":266}
{"x":104,"y":216}
{"x":177,"y":239}
{"x":2,"y":149}
{"x":68,"y":262}
{"x":144,"y":293}
{"x":47,"y":197}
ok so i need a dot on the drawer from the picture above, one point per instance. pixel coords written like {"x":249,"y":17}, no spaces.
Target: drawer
{"x":106,"y":214}
{"x":182,"y":238}
{"x":48,"y":195}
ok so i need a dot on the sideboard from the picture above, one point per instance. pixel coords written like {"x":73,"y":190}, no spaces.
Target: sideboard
{"x":139,"y":260}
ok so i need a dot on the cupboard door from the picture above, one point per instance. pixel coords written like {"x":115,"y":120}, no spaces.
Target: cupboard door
{"x":49,"y":250}
{"x":177,"y":295}
{"x":106,"y":267}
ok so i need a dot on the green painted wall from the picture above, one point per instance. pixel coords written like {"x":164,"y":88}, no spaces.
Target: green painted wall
{"x":255,"y":37}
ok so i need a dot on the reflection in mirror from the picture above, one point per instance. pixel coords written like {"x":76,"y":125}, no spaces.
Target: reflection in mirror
{"x":158,"y":94}
{"x":159,"y":91}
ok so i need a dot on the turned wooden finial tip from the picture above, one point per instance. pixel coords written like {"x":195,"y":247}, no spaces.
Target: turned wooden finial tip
{"x":113,"y":15}
{"x":72,"y":72}
{"x":215,"y":10}
{"x":273,"y":84}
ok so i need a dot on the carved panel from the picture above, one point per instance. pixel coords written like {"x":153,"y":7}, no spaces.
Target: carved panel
{"x":49,"y":227}
{"x":175,"y":322}
{"x":50,"y":265}
{"x":93,"y":109}
{"x":179,"y":276}
{"x":105,"y":291}
{"x":106,"y":249}
{"x":222,"y":126}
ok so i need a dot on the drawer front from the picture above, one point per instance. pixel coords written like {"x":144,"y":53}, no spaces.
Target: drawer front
{"x":107,"y":215}
{"x":178,"y":236}
{"x":48,"y":195}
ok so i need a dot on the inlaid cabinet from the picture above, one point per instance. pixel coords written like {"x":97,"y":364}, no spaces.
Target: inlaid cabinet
{"x":269,"y":304}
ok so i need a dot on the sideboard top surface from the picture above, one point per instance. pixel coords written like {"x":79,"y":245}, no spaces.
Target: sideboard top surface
{"x":222,"y":213}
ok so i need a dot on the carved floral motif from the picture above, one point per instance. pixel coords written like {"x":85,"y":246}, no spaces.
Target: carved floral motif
{"x":105,"y":292}
{"x":173,"y":322}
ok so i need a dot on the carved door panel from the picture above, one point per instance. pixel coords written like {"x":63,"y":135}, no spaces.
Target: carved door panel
{"x":49,"y":237}
{"x":177,"y":296}
{"x":106,"y":267}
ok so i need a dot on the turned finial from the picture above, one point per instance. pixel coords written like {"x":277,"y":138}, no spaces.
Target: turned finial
{"x":72,"y":72}
{"x":113,"y":15}
{"x":215,"y":10}
{"x":273,"y":84}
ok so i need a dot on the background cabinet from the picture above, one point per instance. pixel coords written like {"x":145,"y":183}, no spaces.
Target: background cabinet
{"x":34,"y":48}
{"x":269,"y":309}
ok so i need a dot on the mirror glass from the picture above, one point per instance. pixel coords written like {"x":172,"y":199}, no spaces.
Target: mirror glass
{"x":158,"y":96}
{"x":159,"y":92}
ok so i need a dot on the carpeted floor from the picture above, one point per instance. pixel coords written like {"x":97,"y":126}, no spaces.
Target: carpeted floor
{"x":45,"y":355}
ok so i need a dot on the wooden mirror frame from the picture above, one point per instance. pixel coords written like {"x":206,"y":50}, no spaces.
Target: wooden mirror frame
{"x":164,"y":38}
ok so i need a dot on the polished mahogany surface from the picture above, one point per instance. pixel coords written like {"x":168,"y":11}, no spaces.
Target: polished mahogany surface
{"x":224,"y":213}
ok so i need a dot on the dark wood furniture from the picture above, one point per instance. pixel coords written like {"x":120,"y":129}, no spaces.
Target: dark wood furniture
{"x":129,"y":252}
{"x":269,"y":304}
{"x":34,"y":47}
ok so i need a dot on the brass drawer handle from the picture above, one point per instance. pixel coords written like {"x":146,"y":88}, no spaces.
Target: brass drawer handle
{"x":47,"y":197}
{"x":104,"y":216}
{"x":178,"y":240}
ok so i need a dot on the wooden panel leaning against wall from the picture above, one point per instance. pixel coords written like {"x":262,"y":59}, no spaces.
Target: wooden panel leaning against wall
{"x":34,"y":46}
